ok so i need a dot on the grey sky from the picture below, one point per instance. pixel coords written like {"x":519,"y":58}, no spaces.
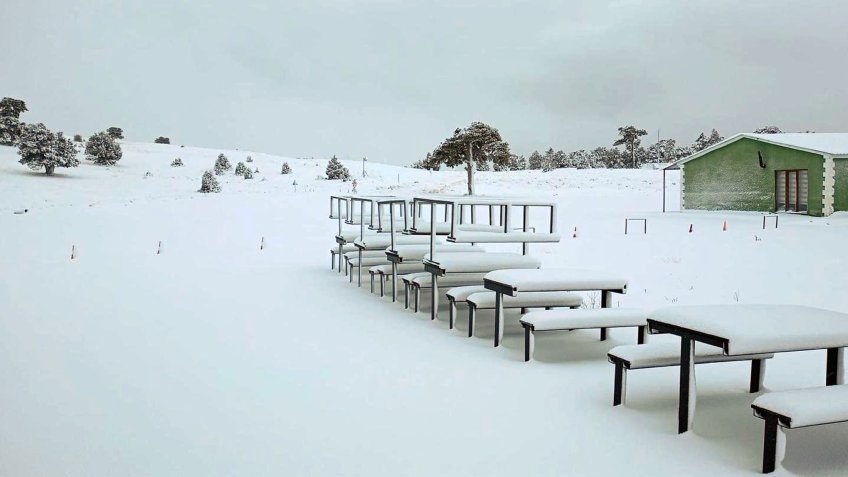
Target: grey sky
{"x":391,"y":79}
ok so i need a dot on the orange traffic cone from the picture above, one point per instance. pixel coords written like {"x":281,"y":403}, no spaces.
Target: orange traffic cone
{"x":724,"y":227}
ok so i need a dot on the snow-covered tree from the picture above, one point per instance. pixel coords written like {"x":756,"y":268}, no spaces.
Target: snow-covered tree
{"x":286,"y":169}
{"x":483,"y":166}
{"x":535,"y":161}
{"x":249,"y":159}
{"x":580,"y":160}
{"x":476,"y":144}
{"x":222,"y":164}
{"x":608,"y":157}
{"x":703,"y":141}
{"x":663,"y":150}
{"x":115,"y":133}
{"x":336,"y":170}
{"x":248,"y":174}
{"x":103,"y":149}
{"x":768,"y":130}
{"x":208,"y":183}
{"x":517,"y":163}
{"x":162,"y":140}
{"x":10,"y":130}
{"x":426,"y":164}
{"x":177,"y":162}
{"x":40,"y":148}
{"x":77,"y":138}
{"x":629,"y":138}
{"x":240,"y":168}
{"x":12,"y":108}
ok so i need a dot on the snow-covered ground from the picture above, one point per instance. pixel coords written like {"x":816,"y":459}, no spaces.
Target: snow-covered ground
{"x":218,"y":358}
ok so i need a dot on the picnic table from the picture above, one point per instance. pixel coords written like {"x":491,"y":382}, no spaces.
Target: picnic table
{"x":749,"y":329}
{"x":513,"y":282}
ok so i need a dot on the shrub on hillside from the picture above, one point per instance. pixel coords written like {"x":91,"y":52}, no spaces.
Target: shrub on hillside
{"x":77,"y":138}
{"x":286,"y":169}
{"x":222,"y":164}
{"x":208,"y":183}
{"x":240,"y":168}
{"x":103,"y":149}
{"x":162,"y":140}
{"x":10,"y":130}
{"x":335,"y":170}
{"x":115,"y":133}
{"x":247,"y":173}
{"x":40,"y":148}
{"x":249,"y":159}
{"x":177,"y":162}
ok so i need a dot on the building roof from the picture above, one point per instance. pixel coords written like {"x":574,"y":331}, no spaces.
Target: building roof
{"x":831,"y":144}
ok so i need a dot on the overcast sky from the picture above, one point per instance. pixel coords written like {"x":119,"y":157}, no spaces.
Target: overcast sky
{"x":390,"y":79}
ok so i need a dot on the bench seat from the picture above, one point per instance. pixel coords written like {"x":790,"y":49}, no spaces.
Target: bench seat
{"x":385,"y":271}
{"x":798,"y":408}
{"x":805,"y":407}
{"x":660,"y":355}
{"x":485,"y":300}
{"x":424,"y":280}
{"x":418,"y":252}
{"x":460,"y":295}
{"x":466,"y":262}
{"x":584,"y":318}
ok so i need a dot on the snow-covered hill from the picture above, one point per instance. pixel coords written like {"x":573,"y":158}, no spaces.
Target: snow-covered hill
{"x":214,"y":357}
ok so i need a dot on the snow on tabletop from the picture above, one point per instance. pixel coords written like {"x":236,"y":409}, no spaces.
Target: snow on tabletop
{"x":401,"y":268}
{"x":762,"y":328}
{"x":465,"y":262}
{"x":452,"y":280}
{"x":552,"y":279}
{"x":585,"y":318}
{"x":808,"y":407}
{"x":505,"y":237}
{"x":423,"y":227}
{"x":417,"y":252}
{"x":384,"y":240}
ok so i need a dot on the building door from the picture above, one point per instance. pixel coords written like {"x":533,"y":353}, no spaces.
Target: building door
{"x":790,"y":190}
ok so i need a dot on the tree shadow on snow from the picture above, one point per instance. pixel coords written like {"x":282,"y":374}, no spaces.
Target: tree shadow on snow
{"x":30,"y":173}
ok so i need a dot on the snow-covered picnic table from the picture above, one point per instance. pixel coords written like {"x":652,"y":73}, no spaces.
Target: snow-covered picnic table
{"x":469,"y":262}
{"x":749,"y":329}
{"x":415,"y":253}
{"x":513,"y":282}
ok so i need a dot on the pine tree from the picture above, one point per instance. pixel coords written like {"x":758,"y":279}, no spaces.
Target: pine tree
{"x":10,"y":130}
{"x":40,"y":148}
{"x":580,"y":160}
{"x":222,"y":164}
{"x":336,"y":170}
{"x":240,"y":168}
{"x":535,"y":161}
{"x":248,"y":174}
{"x":103,"y":149}
{"x":115,"y":133}
{"x":177,"y":162}
{"x":285,"y":169}
{"x":12,"y":108}
{"x":517,"y":163}
{"x":629,"y":138}
{"x":162,"y":140}
{"x":768,"y":130}
{"x":77,"y":138}
{"x":549,"y":160}
{"x":705,"y":141}
{"x":477,"y":144}
{"x":208,"y":183}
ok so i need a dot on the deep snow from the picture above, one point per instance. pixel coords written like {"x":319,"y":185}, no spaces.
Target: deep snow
{"x":218,"y":358}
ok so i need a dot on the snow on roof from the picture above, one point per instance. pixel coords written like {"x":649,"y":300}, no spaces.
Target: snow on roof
{"x":833,"y":144}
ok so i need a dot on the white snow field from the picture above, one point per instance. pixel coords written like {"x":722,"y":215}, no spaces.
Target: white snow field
{"x":214,"y":357}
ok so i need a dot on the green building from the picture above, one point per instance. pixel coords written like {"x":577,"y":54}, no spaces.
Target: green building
{"x":804,"y":173}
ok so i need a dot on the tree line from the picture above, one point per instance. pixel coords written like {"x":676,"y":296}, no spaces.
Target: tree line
{"x":487,"y":150}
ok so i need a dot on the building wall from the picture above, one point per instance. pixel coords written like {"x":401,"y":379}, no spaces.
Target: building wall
{"x":840,"y":189}
{"x":730,"y":178}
